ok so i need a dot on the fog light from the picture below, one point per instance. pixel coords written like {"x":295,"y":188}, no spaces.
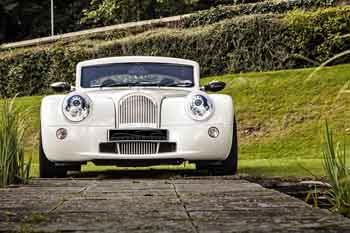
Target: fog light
{"x":213,"y":132}
{"x":61,"y":133}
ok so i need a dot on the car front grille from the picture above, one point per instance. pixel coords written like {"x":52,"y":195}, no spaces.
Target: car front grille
{"x":137,"y":148}
{"x":137,"y":110}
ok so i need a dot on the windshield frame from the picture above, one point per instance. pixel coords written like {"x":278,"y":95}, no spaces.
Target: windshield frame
{"x":114,"y":60}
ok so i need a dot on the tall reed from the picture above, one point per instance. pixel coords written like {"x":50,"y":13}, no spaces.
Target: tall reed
{"x":338,"y":173}
{"x":13,"y":167}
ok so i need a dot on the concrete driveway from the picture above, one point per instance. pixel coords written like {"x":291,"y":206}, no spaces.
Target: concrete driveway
{"x":161,"y":204}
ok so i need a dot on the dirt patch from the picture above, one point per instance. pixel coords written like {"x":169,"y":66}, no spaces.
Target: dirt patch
{"x":307,"y":189}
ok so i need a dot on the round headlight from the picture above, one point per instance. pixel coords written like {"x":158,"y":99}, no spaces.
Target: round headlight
{"x":199,"y":106}
{"x":76,"y":106}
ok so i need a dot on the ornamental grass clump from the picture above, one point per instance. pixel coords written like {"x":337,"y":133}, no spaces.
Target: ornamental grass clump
{"x":338,"y":173}
{"x":13,"y":167}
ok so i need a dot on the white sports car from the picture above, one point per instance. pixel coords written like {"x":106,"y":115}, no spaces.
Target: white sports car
{"x":137,"y":111}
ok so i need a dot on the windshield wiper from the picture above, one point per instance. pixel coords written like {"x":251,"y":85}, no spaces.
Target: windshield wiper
{"x":113,"y":85}
{"x":148,"y":84}
{"x":184,"y":83}
{"x":128,"y":84}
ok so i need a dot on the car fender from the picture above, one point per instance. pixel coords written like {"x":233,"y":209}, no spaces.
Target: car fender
{"x":174,"y":111}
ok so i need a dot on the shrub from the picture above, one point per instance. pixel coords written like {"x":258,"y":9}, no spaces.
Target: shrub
{"x":13,"y":168}
{"x":107,"y":12}
{"x":219,"y":13}
{"x":338,"y":173}
{"x":319,"y":34}
{"x":248,"y":43}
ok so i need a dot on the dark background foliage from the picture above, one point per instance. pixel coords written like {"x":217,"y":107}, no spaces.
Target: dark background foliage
{"x":26,"y":19}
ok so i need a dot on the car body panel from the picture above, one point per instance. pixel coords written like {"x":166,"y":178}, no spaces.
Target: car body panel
{"x":191,"y":136}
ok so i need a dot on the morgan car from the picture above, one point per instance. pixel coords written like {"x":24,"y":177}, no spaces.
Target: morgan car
{"x":137,"y":111}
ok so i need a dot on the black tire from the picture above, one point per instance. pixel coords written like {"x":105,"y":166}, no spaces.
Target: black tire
{"x":229,"y":165}
{"x":48,"y":169}
{"x":76,"y":168}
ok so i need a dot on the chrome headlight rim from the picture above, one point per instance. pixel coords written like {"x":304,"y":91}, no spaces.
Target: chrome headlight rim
{"x":189,"y":104}
{"x":87,"y":110}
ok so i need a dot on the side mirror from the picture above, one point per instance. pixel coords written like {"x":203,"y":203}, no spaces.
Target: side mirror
{"x":60,"y":87}
{"x":215,"y":86}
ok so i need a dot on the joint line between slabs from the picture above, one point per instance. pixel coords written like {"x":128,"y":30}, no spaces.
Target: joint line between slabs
{"x":194,"y":226}
{"x":64,"y":199}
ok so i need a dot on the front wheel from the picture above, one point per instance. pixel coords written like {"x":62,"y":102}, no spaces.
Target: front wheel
{"x":230,"y":164}
{"x":227,"y":166}
{"x":48,"y":169}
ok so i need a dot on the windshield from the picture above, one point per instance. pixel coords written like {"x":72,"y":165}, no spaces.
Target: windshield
{"x":137,"y":74}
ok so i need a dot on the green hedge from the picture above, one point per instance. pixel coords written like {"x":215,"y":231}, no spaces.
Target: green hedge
{"x":219,"y":13}
{"x":249,"y":43}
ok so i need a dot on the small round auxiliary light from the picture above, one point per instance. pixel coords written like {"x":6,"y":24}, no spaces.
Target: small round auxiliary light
{"x":213,"y":132}
{"x":61,"y":133}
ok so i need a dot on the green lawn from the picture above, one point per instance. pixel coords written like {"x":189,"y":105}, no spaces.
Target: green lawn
{"x":280,"y":118}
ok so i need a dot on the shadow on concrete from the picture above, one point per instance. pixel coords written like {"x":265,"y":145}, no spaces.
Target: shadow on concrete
{"x":141,"y":174}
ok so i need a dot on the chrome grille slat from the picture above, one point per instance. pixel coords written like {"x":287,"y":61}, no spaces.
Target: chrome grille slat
{"x":137,"y":110}
{"x":138,"y":148}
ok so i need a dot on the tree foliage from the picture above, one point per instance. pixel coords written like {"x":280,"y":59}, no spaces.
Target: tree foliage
{"x":23,"y":19}
{"x":105,"y":12}
{"x":26,"y":19}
